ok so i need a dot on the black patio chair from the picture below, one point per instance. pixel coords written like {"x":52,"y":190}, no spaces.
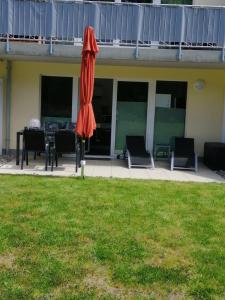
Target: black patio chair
{"x":184,"y":156}
{"x":34,"y":141}
{"x":52,"y":126}
{"x":65,"y":143}
{"x":137,"y":155}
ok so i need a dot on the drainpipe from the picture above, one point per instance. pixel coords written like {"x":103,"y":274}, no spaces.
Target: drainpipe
{"x":8,"y":103}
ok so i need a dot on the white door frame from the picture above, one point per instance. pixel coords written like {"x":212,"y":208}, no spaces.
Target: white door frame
{"x":113,"y":124}
{"x":150,"y":126}
{"x":1,"y":115}
{"x":75,"y":96}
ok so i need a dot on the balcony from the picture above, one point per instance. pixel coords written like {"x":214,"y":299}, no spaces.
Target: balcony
{"x":125,"y":31}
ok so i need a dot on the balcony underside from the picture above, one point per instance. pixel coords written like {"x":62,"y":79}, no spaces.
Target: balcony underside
{"x":115,"y":55}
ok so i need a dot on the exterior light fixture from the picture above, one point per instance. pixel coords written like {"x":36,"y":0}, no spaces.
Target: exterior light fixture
{"x":199,"y":84}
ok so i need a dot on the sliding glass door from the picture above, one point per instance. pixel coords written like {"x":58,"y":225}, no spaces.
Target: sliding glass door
{"x":170,"y":111}
{"x":100,"y":142}
{"x":131,"y":115}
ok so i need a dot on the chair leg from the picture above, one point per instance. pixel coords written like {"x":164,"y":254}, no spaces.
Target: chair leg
{"x":152,"y":162}
{"x":76,"y":166}
{"x":56,"y":159}
{"x":27,"y":158}
{"x":22,"y":159}
{"x":49,"y":156}
{"x":196,"y":163}
{"x":128,"y":160}
{"x":52,"y":160}
{"x":46,"y":161}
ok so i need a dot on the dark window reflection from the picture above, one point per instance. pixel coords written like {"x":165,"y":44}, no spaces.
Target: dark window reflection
{"x":56,"y":96}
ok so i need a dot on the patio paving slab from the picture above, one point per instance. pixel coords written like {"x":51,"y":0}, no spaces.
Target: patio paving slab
{"x":112,"y":168}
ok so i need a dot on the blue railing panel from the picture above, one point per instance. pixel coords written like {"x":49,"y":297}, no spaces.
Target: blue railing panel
{"x":28,"y":18}
{"x":204,"y":25}
{"x":161,"y":24}
{"x":114,"y":23}
{"x":72,"y":18}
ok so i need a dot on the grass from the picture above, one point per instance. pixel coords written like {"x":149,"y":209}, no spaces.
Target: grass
{"x":111,"y":239}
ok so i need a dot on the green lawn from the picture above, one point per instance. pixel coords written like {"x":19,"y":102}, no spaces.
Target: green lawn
{"x":111,"y":239}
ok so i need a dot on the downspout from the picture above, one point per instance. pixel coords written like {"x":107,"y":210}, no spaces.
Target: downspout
{"x":8,"y":103}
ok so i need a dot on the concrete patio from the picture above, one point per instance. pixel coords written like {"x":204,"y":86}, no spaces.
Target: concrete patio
{"x":113,"y":169}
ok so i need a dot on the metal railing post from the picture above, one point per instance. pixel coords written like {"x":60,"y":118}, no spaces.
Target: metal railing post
{"x":51,"y":47}
{"x":181,"y":32}
{"x":7,"y":44}
{"x":52,"y":25}
{"x":139,"y":27}
{"x":9,"y":24}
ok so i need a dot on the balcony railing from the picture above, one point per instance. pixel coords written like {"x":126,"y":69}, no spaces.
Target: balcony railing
{"x":115,"y":24}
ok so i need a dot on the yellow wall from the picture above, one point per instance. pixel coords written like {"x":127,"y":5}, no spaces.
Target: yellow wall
{"x":26,"y":90}
{"x":204,"y":108}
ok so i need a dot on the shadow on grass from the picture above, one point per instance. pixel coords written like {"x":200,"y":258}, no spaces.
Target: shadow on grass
{"x":150,"y":274}
{"x":203,"y":293}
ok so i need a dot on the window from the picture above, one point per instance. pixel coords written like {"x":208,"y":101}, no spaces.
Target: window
{"x":132,"y":91}
{"x":170,"y":111}
{"x":176,"y":90}
{"x":56,"y":98}
{"x":131,"y":114}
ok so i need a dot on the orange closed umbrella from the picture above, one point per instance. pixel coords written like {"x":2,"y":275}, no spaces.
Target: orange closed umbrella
{"x":86,"y":120}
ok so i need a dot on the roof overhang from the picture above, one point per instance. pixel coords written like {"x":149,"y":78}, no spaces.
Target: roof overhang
{"x":129,"y":56}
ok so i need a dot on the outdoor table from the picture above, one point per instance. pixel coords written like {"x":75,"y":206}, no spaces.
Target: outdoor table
{"x":163,"y":149}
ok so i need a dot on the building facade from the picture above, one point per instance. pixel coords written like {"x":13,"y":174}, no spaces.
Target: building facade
{"x":160,"y":71}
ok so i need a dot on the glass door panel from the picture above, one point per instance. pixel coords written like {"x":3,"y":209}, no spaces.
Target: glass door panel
{"x":102,"y":105}
{"x":170,"y":111}
{"x":132,"y":98}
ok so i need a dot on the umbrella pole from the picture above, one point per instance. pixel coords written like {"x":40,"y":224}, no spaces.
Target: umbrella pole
{"x":82,"y":157}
